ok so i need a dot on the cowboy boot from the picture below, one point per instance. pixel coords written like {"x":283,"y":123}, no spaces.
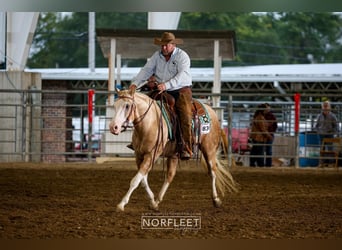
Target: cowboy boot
{"x":130,"y":146}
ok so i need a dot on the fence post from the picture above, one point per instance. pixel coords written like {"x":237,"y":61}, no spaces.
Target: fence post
{"x":296,"y":127}
{"x":91,"y":93}
{"x":230,"y":121}
{"x":24,"y":123}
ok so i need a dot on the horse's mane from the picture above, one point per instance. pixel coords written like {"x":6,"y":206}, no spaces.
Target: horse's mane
{"x":141,"y":95}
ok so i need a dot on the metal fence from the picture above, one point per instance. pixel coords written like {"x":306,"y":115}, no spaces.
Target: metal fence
{"x":50,"y":126}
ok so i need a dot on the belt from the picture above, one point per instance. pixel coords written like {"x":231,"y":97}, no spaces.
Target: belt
{"x":177,"y":90}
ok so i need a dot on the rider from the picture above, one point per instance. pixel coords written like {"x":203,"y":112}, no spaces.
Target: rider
{"x":171,"y":68}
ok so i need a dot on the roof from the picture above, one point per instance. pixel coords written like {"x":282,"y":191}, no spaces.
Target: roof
{"x":137,"y":44}
{"x":264,"y":73}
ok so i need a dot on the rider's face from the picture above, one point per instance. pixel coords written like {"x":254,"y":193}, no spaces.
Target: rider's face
{"x":167,"y":48}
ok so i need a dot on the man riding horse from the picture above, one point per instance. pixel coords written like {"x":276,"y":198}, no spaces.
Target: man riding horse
{"x":170,"y":67}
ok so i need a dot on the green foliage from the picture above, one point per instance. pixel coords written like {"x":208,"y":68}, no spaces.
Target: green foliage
{"x":63,"y":42}
{"x":261,"y":38}
{"x":315,"y":34}
{"x":276,"y":38}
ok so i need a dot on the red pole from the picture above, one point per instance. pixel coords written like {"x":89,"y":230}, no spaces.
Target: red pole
{"x":91,"y":93}
{"x":297,"y":111}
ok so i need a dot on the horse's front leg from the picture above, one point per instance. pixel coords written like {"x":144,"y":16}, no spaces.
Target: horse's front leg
{"x":133,"y":185}
{"x":144,"y":183}
{"x":171,"y":172}
{"x":144,"y":167}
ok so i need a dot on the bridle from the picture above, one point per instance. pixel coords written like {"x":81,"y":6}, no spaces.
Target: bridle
{"x":139,"y":119}
{"x":132,"y":111}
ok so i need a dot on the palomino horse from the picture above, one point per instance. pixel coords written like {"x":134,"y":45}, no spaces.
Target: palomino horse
{"x":150,"y":140}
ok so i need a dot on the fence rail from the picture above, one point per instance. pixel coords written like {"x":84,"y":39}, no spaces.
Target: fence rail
{"x":52,"y":126}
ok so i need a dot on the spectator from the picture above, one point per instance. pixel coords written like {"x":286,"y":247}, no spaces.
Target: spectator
{"x":272,"y":126}
{"x":259,"y":136}
{"x":326,"y":124}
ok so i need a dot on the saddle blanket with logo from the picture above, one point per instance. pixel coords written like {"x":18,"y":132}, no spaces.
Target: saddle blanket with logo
{"x":200,"y":120}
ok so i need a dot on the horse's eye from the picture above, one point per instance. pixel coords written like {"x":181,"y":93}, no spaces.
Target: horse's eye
{"x":127,"y":106}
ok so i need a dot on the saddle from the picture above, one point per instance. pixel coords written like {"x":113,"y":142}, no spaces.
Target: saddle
{"x":200,"y":119}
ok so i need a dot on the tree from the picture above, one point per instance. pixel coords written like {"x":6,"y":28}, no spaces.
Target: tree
{"x":257,"y":40}
{"x":276,"y":38}
{"x":266,"y":38}
{"x":62,"y":42}
{"x":305,"y":34}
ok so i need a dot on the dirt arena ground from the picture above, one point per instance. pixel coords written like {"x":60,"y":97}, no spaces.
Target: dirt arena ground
{"x":78,"y":200}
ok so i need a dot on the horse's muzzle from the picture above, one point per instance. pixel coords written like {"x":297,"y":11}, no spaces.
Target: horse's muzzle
{"x":114,"y":128}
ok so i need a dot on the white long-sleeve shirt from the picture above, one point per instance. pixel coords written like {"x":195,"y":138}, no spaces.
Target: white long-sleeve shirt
{"x":175,"y":72}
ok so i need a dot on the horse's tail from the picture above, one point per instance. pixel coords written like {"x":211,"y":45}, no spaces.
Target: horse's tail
{"x":224,"y":180}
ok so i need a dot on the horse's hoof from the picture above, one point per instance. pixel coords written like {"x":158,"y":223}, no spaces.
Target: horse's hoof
{"x":154,"y":206}
{"x":217,"y":202}
{"x":120,"y":208}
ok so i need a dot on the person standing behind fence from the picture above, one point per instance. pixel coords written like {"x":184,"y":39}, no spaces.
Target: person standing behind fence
{"x":326,"y":124}
{"x":272,"y":126}
{"x":259,"y":135}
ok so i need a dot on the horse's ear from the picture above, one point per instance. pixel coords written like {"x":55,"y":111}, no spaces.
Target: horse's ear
{"x":131,"y":91}
{"x":117,"y":90}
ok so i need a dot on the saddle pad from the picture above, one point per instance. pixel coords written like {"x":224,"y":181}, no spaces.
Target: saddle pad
{"x":197,"y":108}
{"x":166,"y":117}
{"x":203,"y":116}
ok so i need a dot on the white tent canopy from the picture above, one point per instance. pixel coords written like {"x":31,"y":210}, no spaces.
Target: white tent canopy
{"x":330,"y":72}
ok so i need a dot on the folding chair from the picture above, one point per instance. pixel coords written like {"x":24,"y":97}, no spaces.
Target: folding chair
{"x":240,"y":143}
{"x":335,"y":147}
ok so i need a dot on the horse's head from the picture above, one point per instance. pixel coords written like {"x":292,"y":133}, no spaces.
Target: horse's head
{"x":123,"y":111}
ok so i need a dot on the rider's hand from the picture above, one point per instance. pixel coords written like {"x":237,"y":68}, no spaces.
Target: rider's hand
{"x":161,"y":87}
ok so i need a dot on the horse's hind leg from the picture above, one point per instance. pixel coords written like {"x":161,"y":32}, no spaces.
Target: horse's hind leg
{"x":216,"y":200}
{"x":212,"y":168}
{"x":172,"y":163}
